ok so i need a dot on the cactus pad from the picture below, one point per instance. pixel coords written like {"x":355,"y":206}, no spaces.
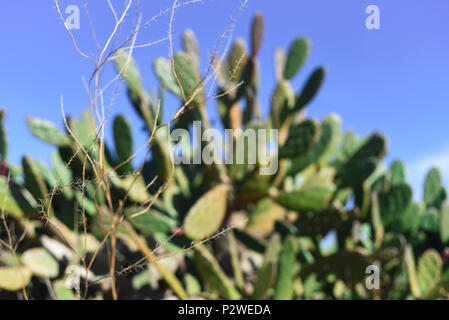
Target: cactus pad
{"x":14,"y":278}
{"x":297,"y":55}
{"x":429,"y":271}
{"x":47,"y":132}
{"x":206,"y":215}
{"x":40,"y":262}
{"x":301,"y":137}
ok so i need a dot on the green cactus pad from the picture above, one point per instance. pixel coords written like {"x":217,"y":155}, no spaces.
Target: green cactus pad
{"x":429,"y":271}
{"x":191,"y":46}
{"x":314,"y":198}
{"x":285,"y":228}
{"x":363,"y":162}
{"x":7,"y":200}
{"x":310,"y":89}
{"x":193,"y":286}
{"x":349,"y":266}
{"x":284,"y":287}
{"x":434,"y":193}
{"x":132,"y":185}
{"x":301,"y":137}
{"x":357,"y":173}
{"x":84,"y":131}
{"x":410,"y":219}
{"x":254,"y":186}
{"x":374,"y":146}
{"x":128,"y":69}
{"x":34,"y":181}
{"x":123,"y":142}
{"x":268,"y":271}
{"x":47,"y":132}
{"x":330,"y":130}
{"x":444,"y":223}
{"x":40,"y":262}
{"x":210,"y":270}
{"x":151,"y":222}
{"x":62,"y":292}
{"x":319,"y":223}
{"x":236,"y":61}
{"x":283,"y":99}
{"x":397,"y":172}
{"x":430,"y":221}
{"x":207,"y":214}
{"x":189,"y":79}
{"x":393,"y":203}
{"x":163,"y":69}
{"x":250,"y":241}
{"x":297,"y":55}
{"x":349,"y":145}
{"x":264,"y":216}
{"x":63,"y":175}
{"x":14,"y":278}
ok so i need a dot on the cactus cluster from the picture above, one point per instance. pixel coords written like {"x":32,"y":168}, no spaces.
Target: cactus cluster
{"x":219,"y":231}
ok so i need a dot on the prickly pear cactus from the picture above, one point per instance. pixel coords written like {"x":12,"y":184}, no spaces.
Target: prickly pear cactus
{"x":218,"y":230}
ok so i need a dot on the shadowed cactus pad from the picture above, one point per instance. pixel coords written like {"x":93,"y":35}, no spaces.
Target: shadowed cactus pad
{"x":211,"y":270}
{"x":301,"y":138}
{"x":310,"y":89}
{"x":319,"y":223}
{"x":347,"y":265}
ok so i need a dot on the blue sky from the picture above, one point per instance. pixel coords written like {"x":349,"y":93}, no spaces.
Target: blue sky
{"x":395,"y":79}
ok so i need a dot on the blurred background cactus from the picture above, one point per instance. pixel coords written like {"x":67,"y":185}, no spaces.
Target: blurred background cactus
{"x":92,"y":225}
